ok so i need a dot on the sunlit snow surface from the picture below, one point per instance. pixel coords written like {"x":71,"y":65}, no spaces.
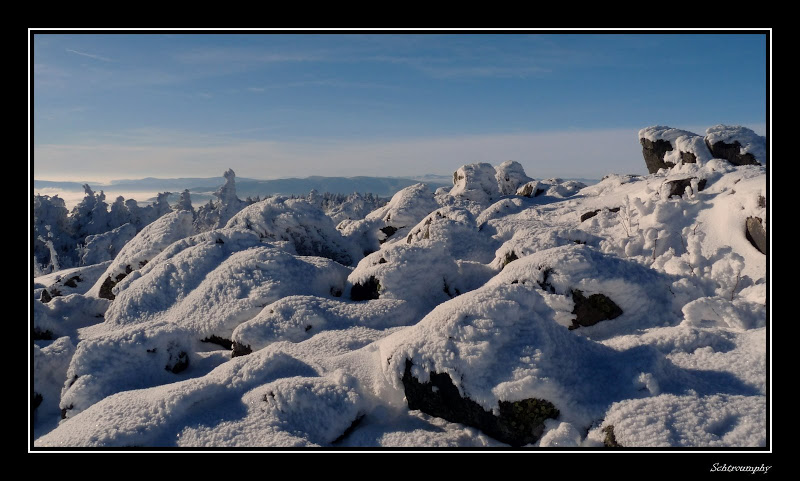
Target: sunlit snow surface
{"x":474,"y":282}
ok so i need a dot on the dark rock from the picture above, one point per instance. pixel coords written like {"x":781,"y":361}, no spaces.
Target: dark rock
{"x":309,"y":327}
{"x":614,"y":209}
{"x":142,"y":263}
{"x":336,"y":292}
{"x":369,"y":290}
{"x":177,"y":363}
{"x":105,"y":289}
{"x":654,"y":152}
{"x":544,"y":283}
{"x":73,"y":281}
{"x":589,"y":311}
{"x":36,"y":401}
{"x":349,"y":429}
{"x":756,"y":234}
{"x":538,"y":192}
{"x":219,"y":241}
{"x":678,"y":186}
{"x":731,"y":153}
{"x":220,"y":341}
{"x":509,"y":258}
{"x":688,"y":157}
{"x":46,"y":297}
{"x":611,"y":440}
{"x":55,"y":292}
{"x":519,"y":423}
{"x":39,"y":335}
{"x":389,"y":231}
{"x":240,"y":350}
{"x":761,"y":201}
{"x":589,"y":214}
{"x":64,"y":411}
{"x":381,"y":261}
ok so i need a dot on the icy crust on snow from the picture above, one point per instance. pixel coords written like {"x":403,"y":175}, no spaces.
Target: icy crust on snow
{"x":751,"y":143}
{"x":671,"y":420}
{"x":297,"y":318}
{"x":147,"y":244}
{"x":305,"y":227}
{"x":213,"y":282}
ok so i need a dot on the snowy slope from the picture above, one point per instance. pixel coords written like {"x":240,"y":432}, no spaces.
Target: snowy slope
{"x":486,"y":315}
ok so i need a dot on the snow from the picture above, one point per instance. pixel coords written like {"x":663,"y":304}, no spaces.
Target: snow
{"x":751,"y":143}
{"x":478,"y":282}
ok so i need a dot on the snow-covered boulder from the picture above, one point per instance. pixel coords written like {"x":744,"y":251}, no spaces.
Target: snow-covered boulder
{"x":49,"y":372}
{"x":212,"y":282}
{"x":105,"y":247}
{"x":405,"y":209}
{"x":147,"y":244}
{"x":476,"y":183}
{"x":306,"y":228}
{"x":510,"y":176}
{"x":664,"y":147}
{"x":550,"y":188}
{"x":297,"y":318}
{"x":77,"y":280}
{"x":736,"y":144}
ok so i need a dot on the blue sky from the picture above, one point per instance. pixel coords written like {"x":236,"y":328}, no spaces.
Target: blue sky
{"x":274,"y":105}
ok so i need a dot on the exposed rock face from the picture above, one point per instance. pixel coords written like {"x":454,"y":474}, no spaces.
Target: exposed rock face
{"x":654,"y":152}
{"x":240,"y":350}
{"x":589,"y":214}
{"x":610,"y":440}
{"x":220,"y":341}
{"x":732,"y":153}
{"x":519,"y":422}
{"x":756,"y":234}
{"x":177,"y":362}
{"x":593,"y":309}
{"x":368,"y":290}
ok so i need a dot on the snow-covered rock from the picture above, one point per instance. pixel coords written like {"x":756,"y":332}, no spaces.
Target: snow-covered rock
{"x":305,"y":227}
{"x":141,"y":249}
{"x":510,"y":176}
{"x":664,"y":147}
{"x":476,"y":183}
{"x":736,"y":144}
{"x":105,"y":247}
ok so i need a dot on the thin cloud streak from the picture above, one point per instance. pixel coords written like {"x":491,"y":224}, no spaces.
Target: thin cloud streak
{"x":90,"y":55}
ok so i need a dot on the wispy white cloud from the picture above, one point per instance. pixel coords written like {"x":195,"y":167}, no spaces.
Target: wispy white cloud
{"x":90,"y":55}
